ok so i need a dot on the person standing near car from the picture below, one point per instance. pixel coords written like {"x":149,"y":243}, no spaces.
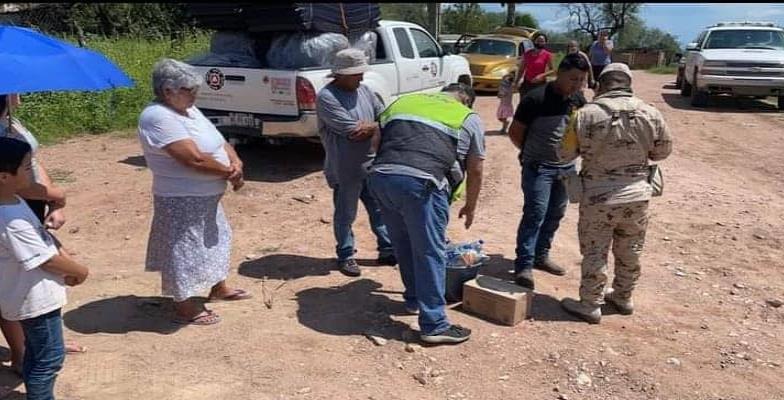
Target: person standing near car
{"x":535,"y":66}
{"x":600,"y":53}
{"x":347,"y":111}
{"x":537,"y":130}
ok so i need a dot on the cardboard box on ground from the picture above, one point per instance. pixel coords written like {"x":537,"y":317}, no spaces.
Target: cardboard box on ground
{"x":497,"y":300}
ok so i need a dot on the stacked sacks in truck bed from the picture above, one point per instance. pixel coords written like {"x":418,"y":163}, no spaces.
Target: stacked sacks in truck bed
{"x":310,"y":49}
{"x":296,"y":35}
{"x":343,"y":18}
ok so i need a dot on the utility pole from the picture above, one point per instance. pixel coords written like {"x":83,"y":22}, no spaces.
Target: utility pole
{"x":434,"y":19}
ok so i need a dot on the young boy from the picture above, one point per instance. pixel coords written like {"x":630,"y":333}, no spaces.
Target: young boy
{"x":33,"y":273}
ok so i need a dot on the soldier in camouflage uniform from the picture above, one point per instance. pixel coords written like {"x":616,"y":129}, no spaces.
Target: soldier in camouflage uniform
{"x":616,"y":135}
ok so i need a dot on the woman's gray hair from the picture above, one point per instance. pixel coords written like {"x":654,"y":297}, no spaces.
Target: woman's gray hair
{"x":173,"y":74}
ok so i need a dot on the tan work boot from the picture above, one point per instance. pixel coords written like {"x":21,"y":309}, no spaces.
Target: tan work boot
{"x":591,"y":313}
{"x":625,"y":306}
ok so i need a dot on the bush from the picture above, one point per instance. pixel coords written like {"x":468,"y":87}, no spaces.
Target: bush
{"x":148,"y":20}
{"x":57,"y":115}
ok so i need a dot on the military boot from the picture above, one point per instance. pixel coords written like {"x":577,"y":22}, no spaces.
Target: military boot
{"x":591,"y":313}
{"x":623,"y":304}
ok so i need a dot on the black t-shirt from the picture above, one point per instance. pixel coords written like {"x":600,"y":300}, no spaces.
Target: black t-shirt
{"x":545,"y":114}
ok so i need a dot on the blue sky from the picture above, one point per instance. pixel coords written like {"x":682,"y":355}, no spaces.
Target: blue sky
{"x":683,"y":20}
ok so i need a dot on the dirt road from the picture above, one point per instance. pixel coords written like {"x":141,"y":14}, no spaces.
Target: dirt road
{"x":705,"y":326}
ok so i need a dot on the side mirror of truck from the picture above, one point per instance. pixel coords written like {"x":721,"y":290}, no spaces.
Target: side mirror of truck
{"x":692,"y":47}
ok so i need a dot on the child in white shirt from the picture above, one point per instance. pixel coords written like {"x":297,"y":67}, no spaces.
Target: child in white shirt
{"x":33,"y":273}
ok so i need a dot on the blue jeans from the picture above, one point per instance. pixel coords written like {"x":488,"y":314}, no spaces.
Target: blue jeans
{"x":345,"y":197}
{"x":417,"y":214}
{"x":44,"y":354}
{"x":544,"y":205}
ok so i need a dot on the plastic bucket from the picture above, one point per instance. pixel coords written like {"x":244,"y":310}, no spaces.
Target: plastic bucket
{"x":455,"y":278}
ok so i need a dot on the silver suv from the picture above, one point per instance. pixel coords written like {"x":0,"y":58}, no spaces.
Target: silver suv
{"x":735,"y":58}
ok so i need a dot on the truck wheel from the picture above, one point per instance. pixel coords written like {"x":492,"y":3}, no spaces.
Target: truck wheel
{"x":678,"y":81}
{"x":685,"y":88}
{"x":781,"y":102}
{"x":699,"y":98}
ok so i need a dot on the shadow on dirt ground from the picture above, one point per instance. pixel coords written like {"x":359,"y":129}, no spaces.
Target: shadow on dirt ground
{"x":270,"y":163}
{"x":721,"y":104}
{"x":123,"y":314}
{"x":286,"y":267}
{"x":356,"y":308}
{"x":291,"y":266}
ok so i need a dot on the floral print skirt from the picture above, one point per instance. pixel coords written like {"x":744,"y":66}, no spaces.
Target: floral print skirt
{"x":189,"y":243}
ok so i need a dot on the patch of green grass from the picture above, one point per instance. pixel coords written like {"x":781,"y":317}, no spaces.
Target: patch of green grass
{"x":53,"y":116}
{"x":664,"y":70}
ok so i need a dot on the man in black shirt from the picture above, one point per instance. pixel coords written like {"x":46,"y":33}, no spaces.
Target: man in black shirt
{"x":537,"y":130}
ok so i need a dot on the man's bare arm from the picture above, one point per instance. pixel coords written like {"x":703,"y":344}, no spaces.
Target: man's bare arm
{"x":517,"y":134}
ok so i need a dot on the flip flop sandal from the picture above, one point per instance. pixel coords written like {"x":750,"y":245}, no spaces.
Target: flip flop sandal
{"x":239,"y":294}
{"x":204,"y":318}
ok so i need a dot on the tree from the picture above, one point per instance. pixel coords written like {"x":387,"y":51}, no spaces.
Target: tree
{"x":433,"y":18}
{"x":527,"y":20}
{"x":637,"y":35}
{"x":510,"y":13}
{"x":465,"y":18}
{"x":591,"y":18}
{"x":409,"y":12}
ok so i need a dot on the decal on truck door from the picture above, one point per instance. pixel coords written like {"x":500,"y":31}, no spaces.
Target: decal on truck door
{"x":215,"y":79}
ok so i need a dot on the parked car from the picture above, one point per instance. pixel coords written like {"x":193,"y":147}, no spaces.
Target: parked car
{"x":494,"y":55}
{"x":281,"y":103}
{"x":735,"y":58}
{"x":454,"y":43}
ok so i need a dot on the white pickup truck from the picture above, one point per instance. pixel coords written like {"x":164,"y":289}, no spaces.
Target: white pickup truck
{"x":735,"y":58}
{"x":277,"y":103}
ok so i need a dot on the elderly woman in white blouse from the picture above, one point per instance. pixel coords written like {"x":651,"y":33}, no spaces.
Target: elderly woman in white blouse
{"x":190,"y":238}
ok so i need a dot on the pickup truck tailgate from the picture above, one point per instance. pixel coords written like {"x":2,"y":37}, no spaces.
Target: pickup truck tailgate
{"x":258,"y":91}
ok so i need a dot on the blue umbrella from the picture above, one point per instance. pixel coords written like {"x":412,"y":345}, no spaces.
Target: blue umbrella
{"x":33,"y":62}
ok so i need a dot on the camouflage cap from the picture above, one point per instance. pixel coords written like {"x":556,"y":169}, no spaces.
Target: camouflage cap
{"x":617,"y":67}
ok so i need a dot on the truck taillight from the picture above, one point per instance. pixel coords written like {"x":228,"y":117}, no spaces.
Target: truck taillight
{"x":306,"y":95}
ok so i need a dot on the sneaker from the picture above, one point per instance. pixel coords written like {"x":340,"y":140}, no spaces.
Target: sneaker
{"x":389,"y":259}
{"x":549,"y":266}
{"x":349,"y":267}
{"x":525,"y":278}
{"x":453,"y":334}
{"x":587,"y":312}
{"x":624,"y":306}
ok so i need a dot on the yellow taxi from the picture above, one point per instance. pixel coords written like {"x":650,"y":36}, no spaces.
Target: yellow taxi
{"x":492,"y":56}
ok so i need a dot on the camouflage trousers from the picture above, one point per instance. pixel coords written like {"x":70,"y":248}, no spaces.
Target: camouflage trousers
{"x":621,"y":225}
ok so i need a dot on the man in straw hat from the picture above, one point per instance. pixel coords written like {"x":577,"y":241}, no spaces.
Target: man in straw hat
{"x":616,"y":135}
{"x":347,"y":111}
